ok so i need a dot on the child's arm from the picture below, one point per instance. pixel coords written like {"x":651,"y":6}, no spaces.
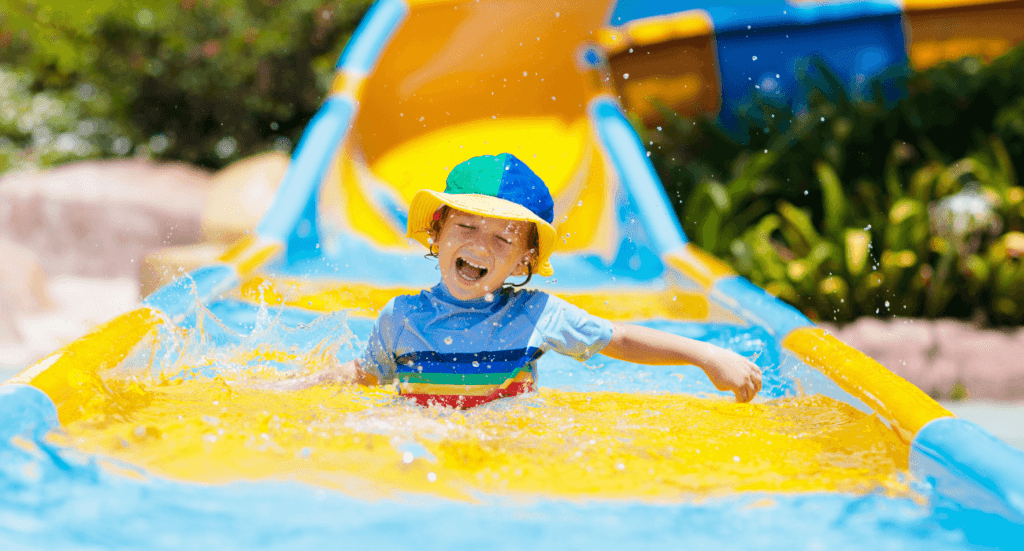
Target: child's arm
{"x":727,"y":370}
{"x":348,"y":372}
{"x":334,"y":372}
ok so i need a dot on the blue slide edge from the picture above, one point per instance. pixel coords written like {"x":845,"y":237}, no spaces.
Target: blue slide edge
{"x":976,"y":480}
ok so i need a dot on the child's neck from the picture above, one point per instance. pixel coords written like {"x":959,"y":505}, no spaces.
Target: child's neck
{"x":486,"y":300}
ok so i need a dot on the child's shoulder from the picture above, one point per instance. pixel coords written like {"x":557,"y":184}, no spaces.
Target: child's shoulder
{"x":411,"y":301}
{"x":532,"y":302}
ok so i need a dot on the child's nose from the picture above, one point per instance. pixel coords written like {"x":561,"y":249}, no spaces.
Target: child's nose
{"x":477,"y":244}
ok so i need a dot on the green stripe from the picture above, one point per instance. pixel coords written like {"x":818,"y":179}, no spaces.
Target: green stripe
{"x":481,"y":175}
{"x":457,"y":378}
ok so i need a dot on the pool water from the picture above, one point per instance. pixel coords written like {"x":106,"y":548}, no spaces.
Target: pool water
{"x":193,"y":443}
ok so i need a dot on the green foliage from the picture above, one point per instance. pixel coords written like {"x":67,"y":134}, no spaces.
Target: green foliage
{"x":204,"y":81}
{"x":50,"y":127}
{"x":860,"y":206}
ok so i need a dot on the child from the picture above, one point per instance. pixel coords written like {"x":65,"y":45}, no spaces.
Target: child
{"x":475,"y":337}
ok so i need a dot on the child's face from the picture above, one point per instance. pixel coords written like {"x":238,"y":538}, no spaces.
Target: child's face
{"x":476,"y":254}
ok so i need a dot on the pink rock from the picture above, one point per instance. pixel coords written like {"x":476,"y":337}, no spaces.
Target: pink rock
{"x":941,"y":376}
{"x":935,"y":355}
{"x":913,"y":368}
{"x":101,"y":218}
{"x":993,"y":364}
{"x":22,"y":288}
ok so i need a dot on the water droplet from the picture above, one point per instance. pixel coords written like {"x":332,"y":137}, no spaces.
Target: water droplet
{"x":887,"y":304}
{"x":476,"y":363}
{"x":431,"y":477}
{"x":489,"y":297}
{"x":407,"y":457}
{"x":736,"y":458}
{"x":822,"y":119}
{"x":753,"y":58}
{"x":625,"y":76}
{"x":447,"y":340}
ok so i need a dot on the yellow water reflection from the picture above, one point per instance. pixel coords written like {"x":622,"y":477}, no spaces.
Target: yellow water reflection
{"x":370,"y":443}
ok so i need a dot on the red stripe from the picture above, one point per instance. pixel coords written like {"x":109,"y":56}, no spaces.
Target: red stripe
{"x":463,"y":402}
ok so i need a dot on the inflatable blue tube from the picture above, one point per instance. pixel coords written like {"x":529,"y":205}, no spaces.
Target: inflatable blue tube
{"x":373,"y":33}
{"x":967,"y":465}
{"x":638,"y":176}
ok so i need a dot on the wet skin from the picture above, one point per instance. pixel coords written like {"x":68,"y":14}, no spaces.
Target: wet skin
{"x":476,"y":254}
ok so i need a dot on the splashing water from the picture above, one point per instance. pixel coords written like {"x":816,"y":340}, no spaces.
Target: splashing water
{"x":200,"y":403}
{"x":195,"y":405}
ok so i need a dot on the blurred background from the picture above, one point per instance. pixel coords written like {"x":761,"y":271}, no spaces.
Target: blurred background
{"x":876,"y":188}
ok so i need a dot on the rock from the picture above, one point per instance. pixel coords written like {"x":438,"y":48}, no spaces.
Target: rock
{"x":100,"y":218}
{"x":939,"y":356}
{"x":241,"y":193}
{"x":22,"y":288}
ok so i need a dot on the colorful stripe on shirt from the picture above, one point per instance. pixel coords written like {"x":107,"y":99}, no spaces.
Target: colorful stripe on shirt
{"x":466,"y":379}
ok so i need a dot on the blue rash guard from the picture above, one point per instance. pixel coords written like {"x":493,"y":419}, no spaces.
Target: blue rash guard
{"x":462,"y":353}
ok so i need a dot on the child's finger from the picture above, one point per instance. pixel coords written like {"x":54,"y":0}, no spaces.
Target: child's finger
{"x":742,"y":394}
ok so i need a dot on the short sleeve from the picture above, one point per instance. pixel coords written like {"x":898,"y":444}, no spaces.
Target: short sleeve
{"x":572,"y":331}
{"x":379,"y":356}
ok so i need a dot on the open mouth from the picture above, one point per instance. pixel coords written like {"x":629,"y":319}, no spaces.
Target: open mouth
{"x":468,"y":270}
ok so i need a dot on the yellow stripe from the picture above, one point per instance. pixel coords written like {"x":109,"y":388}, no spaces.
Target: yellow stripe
{"x":699,"y":265}
{"x":237,"y":249}
{"x":463,"y":390}
{"x":910,"y":5}
{"x":902,"y":404}
{"x":71,"y":377}
{"x":347,"y":84}
{"x":249,"y":253}
{"x":361,"y":213}
{"x":655,"y":30}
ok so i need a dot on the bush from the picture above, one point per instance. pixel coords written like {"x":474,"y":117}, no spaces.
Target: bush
{"x":203,"y":81}
{"x":857,"y":207}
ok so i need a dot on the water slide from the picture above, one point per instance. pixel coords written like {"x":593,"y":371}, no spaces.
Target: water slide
{"x":173,"y":425}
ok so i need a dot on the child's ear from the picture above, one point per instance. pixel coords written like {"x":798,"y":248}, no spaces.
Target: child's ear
{"x":525,"y":262}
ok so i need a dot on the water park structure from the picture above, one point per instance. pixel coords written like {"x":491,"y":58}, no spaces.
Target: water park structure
{"x":171,"y":392}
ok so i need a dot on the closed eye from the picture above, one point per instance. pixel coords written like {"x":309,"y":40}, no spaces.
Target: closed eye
{"x":504,"y":240}
{"x":467,"y":226}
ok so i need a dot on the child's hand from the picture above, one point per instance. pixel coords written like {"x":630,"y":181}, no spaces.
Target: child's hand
{"x":726,"y":369}
{"x":730,"y":371}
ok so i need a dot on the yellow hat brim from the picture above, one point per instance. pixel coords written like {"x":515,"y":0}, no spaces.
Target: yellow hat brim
{"x":426,"y":202}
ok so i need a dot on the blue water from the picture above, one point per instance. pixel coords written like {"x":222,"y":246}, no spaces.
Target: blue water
{"x":56,"y":498}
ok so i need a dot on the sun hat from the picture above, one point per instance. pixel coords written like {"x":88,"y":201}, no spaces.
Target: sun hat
{"x":497,"y":186}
